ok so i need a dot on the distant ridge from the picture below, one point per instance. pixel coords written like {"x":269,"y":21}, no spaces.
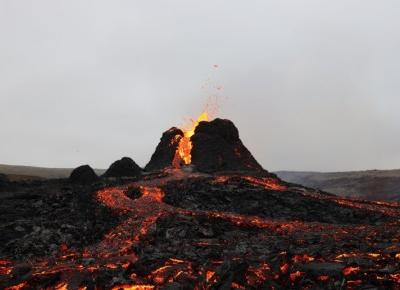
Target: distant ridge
{"x":368,"y":184}
{"x":21,"y":172}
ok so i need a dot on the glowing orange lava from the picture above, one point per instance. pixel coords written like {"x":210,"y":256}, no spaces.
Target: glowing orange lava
{"x":350,"y":270}
{"x":185,"y":144}
{"x":117,"y":249}
{"x":133,"y":287}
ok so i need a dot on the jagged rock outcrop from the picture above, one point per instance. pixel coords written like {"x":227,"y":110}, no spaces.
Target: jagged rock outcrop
{"x":165,"y":152}
{"x":124,"y":167}
{"x":83,"y":174}
{"x":217,"y":147}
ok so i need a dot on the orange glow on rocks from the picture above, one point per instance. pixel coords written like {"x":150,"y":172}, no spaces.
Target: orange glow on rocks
{"x":185,"y":145}
{"x":133,"y":287}
{"x":350,"y":270}
{"x":18,"y":287}
{"x":268,"y":183}
{"x":209,"y":275}
{"x":295,"y":275}
{"x":284,"y":268}
{"x":323,"y":278}
{"x":5,"y":267}
{"x":121,"y":249}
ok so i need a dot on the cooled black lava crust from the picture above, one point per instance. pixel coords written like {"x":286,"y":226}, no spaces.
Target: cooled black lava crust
{"x":38,"y":217}
{"x":238,"y":195}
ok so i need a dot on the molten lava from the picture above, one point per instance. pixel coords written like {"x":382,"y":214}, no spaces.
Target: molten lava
{"x":184,"y":149}
{"x":128,"y":250}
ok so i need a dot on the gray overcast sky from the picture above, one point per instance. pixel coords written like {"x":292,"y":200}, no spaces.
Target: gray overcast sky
{"x":311,"y":85}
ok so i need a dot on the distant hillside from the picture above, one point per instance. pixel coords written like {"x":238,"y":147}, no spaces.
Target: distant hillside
{"x":18,"y":172}
{"x":371,"y":184}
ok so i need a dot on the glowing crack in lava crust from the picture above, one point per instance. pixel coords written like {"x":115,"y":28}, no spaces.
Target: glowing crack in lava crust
{"x":184,"y":149}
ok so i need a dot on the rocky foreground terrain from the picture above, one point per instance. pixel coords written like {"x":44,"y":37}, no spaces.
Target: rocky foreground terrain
{"x":230,"y":225}
{"x":178,"y":230}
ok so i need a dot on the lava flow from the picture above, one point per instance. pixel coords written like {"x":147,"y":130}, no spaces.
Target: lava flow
{"x":237,"y":229}
{"x":161,"y":244}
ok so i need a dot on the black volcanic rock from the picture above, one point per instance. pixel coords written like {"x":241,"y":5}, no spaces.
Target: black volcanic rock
{"x":219,"y":231}
{"x":3,"y":180}
{"x":38,"y":217}
{"x":3,"y":177}
{"x":240,"y":196}
{"x":217,"y":147}
{"x":165,"y":151}
{"x":83,"y":174}
{"x":124,"y":167}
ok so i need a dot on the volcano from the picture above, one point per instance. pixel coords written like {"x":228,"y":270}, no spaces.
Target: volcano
{"x":203,"y":214}
{"x":214,"y":146}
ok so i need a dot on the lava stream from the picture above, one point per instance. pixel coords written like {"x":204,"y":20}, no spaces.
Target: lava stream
{"x":117,"y":247}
